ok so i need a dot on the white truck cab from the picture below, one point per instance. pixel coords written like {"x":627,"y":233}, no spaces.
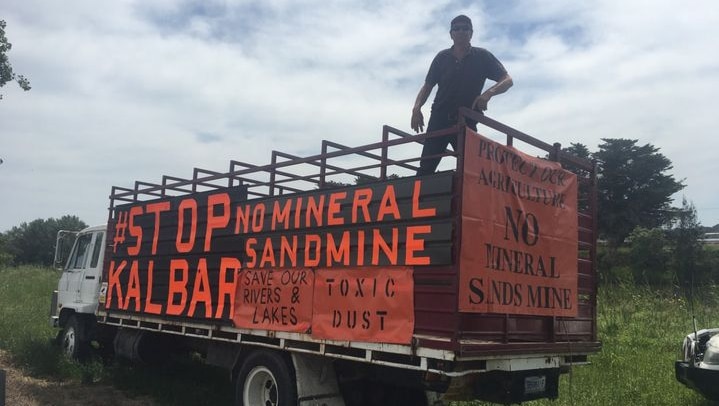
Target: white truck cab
{"x":75,"y":301}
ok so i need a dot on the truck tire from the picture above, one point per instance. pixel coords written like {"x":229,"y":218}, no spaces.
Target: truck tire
{"x":265,"y":379}
{"x":72,"y":342}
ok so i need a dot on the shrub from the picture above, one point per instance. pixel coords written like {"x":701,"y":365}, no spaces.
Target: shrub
{"x":649,"y":257}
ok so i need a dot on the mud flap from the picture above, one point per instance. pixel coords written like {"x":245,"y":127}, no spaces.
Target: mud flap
{"x":316,"y":381}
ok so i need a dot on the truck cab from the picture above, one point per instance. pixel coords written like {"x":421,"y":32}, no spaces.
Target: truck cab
{"x":74,"y":303}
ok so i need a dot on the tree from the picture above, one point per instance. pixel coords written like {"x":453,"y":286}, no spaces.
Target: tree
{"x":6,"y":258}
{"x":634,"y":188}
{"x":6,"y":73}
{"x":580,"y":151}
{"x":34,"y":242}
{"x":686,"y":236}
{"x":649,"y":254}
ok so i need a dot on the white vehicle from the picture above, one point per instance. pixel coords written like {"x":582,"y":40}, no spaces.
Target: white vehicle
{"x":313,"y":292}
{"x":699,"y":367}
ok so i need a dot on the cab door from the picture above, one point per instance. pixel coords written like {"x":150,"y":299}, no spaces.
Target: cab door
{"x":69,"y":291}
{"x":84,"y":269}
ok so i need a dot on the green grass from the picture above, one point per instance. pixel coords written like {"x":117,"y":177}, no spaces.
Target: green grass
{"x":25,"y":333}
{"x":24,"y":329}
{"x":641,"y":331}
{"x":181,"y":381}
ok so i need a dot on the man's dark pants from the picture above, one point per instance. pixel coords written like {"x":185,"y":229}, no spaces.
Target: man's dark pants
{"x":437,"y":145}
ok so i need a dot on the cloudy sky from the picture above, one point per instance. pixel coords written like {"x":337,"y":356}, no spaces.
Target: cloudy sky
{"x":133,"y":90}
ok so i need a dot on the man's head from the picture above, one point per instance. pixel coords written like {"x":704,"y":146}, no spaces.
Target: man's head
{"x":461,"y":20}
{"x":461,"y":30}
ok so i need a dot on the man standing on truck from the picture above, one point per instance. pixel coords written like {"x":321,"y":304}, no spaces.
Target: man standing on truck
{"x":460,"y":73}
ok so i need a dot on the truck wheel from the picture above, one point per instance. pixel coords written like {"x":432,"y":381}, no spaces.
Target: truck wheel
{"x":72,"y":344}
{"x":265,"y":379}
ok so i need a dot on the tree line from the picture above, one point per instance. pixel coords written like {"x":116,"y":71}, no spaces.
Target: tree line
{"x":645,"y":240}
{"x":34,"y":242}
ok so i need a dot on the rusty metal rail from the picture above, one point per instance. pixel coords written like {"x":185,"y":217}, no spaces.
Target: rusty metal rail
{"x":282,"y":176}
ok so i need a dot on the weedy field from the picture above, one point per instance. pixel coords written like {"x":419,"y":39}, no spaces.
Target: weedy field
{"x":641,"y":330}
{"x":26,"y":337}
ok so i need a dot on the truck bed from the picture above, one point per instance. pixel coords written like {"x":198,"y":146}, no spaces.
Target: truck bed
{"x":443,"y":335}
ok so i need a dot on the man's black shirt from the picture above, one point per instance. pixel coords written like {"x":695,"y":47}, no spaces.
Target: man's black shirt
{"x":460,"y":82}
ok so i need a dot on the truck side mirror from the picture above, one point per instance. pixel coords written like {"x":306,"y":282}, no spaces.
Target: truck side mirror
{"x":63,"y":246}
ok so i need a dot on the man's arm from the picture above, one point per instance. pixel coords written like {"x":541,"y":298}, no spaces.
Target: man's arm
{"x":417,"y":117}
{"x":480,"y":103}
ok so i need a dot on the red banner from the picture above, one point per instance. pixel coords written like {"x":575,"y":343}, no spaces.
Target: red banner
{"x":274,"y":299}
{"x":519,"y":232}
{"x":367,"y":304}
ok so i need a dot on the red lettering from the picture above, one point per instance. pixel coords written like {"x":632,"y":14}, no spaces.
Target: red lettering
{"x":157,"y":208}
{"x":288,"y":250}
{"x":388,"y":205}
{"x":191,"y":205}
{"x":317,"y":241}
{"x":416,"y":211}
{"x":314,"y":209}
{"x":415,"y":245}
{"x":360,"y":247}
{"x":258,"y":217}
{"x":113,"y":283}
{"x":341,"y":253}
{"x":243,"y":217}
{"x":281,"y":216}
{"x":177,"y":287}
{"x":201,"y":290}
{"x":215,"y":221}
{"x":227,"y":288}
{"x":268,"y":254}
{"x":298,"y":210}
{"x":379,"y":243}
{"x":334,"y":208}
{"x":250,"y":252}
{"x":135,"y":231}
{"x":133,"y":287}
{"x":150,"y":307}
{"x":361,"y":200}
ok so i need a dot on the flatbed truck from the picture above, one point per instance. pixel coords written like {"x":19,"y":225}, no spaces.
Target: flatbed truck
{"x":345,"y":279}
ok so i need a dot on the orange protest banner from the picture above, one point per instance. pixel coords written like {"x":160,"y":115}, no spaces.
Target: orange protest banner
{"x":274,"y":299}
{"x":519,"y":232}
{"x":364,"y":304}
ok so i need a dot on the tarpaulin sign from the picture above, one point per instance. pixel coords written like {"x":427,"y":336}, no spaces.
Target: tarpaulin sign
{"x":182,"y":256}
{"x":274,"y":299}
{"x":364,"y":304}
{"x":519,"y":232}
{"x":175,"y":256}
